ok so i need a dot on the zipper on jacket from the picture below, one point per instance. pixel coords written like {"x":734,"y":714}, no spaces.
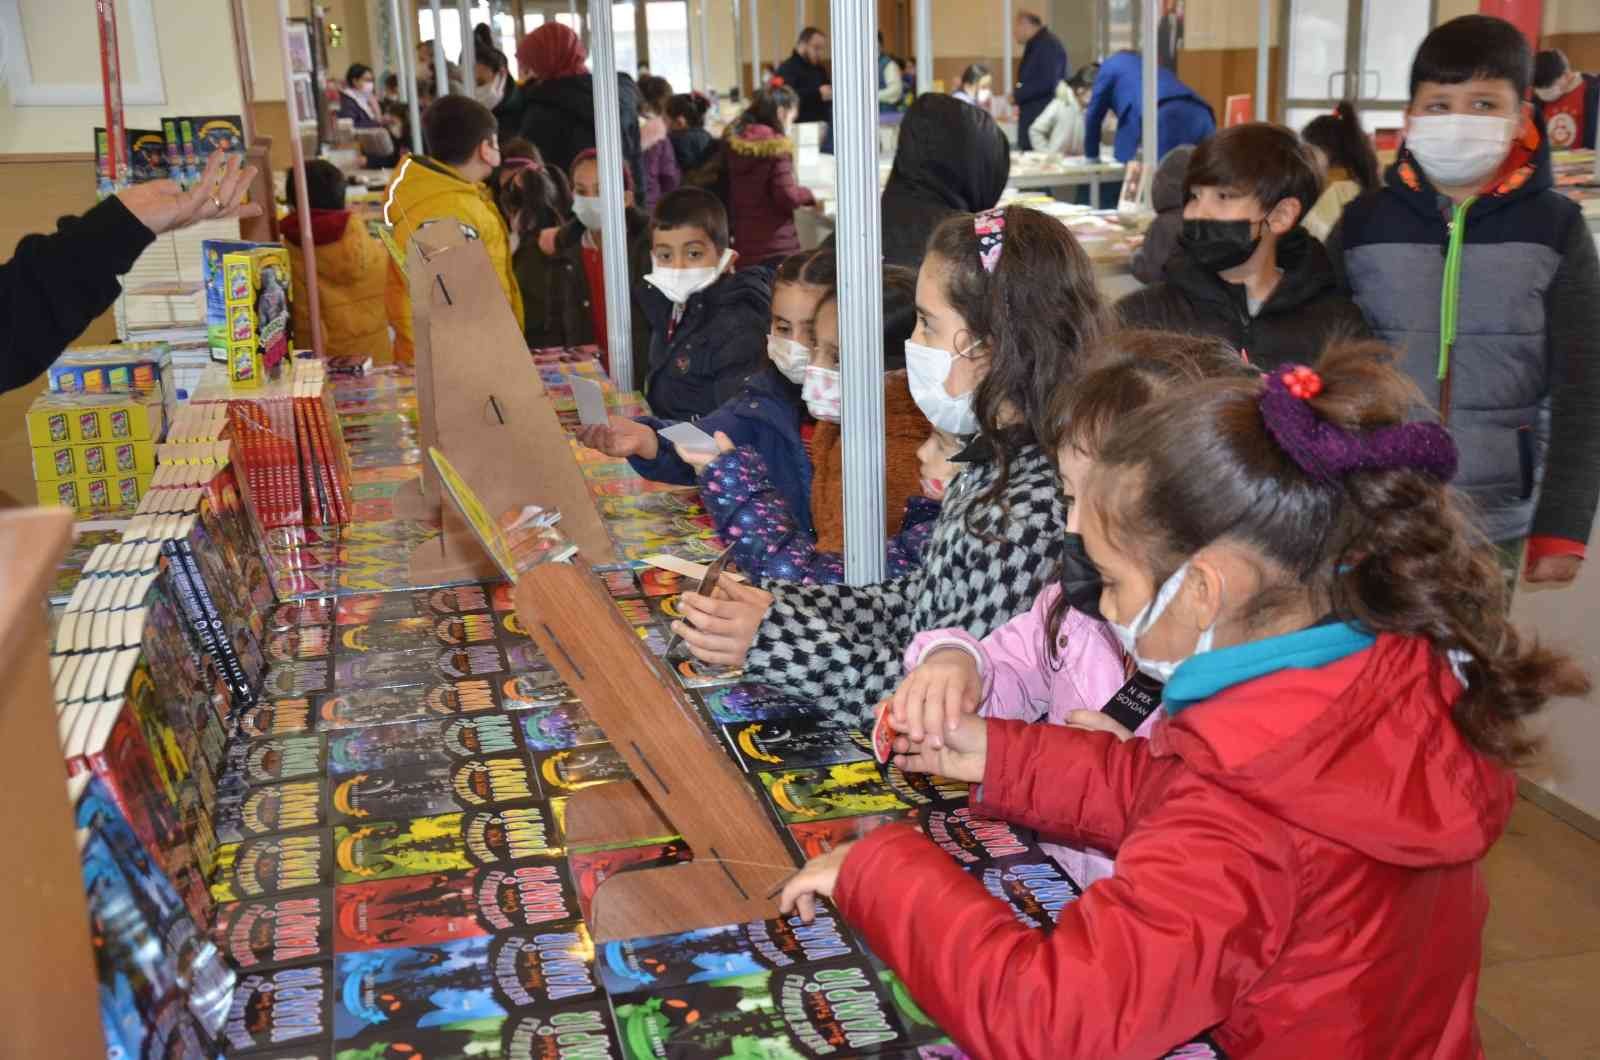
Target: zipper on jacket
{"x":1450,"y":299}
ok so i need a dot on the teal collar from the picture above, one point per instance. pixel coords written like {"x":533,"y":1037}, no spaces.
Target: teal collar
{"x":1203,"y":676}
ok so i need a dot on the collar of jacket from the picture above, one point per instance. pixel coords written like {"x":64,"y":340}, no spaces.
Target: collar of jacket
{"x":1200,"y":677}
{"x":760,"y":141}
{"x":1307,"y":273}
{"x":327,"y":226}
{"x":1526,"y":171}
{"x":978,"y":450}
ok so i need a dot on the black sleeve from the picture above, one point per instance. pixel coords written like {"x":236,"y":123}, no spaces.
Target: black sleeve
{"x":1571,"y":485}
{"x":1334,"y":245}
{"x":55,"y":285}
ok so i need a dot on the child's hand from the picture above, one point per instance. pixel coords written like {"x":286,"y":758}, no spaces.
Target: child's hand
{"x":932,"y":699}
{"x":621,"y":437}
{"x":719,"y":629}
{"x":817,"y":879}
{"x":962,"y":754}
{"x":698,"y":459}
{"x":1095,"y":721}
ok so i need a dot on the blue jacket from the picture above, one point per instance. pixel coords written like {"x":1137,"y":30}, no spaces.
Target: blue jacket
{"x":1043,"y":67}
{"x":1183,"y":118}
{"x":764,"y":416}
{"x":770,"y":544}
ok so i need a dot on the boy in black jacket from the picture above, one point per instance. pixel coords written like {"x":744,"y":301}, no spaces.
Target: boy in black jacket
{"x":1245,"y":271}
{"x":1486,"y":279}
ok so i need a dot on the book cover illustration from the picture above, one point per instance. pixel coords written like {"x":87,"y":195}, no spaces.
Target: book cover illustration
{"x":431,"y":603}
{"x":288,"y":679}
{"x":591,"y":868}
{"x":414,"y":988}
{"x":846,"y":790}
{"x":416,"y":634}
{"x":406,"y":911}
{"x":792,"y":1014}
{"x":387,"y":669}
{"x":299,"y":642}
{"x":280,"y":1007}
{"x":269,"y":865}
{"x":285,"y":929}
{"x":384,"y":850}
{"x":497,"y":781}
{"x":812,"y":839}
{"x":747,"y":703}
{"x":147,"y":150}
{"x":366,"y":708}
{"x":619,"y":581}
{"x":463,"y":1038}
{"x":693,"y":673}
{"x":654,"y":963}
{"x":290,"y":806}
{"x":541,"y":967}
{"x":1034,"y":887}
{"x":276,"y":758}
{"x":795,"y":742}
{"x":509,"y":628}
{"x":413,"y":744}
{"x":529,"y":893}
{"x":558,"y":726}
{"x":577,"y":768}
{"x":276,"y":717}
{"x":571,"y":1032}
{"x":972,"y":839}
{"x":926,"y":789}
{"x":513,"y":833}
{"x":317,"y":611}
{"x":383,"y":794}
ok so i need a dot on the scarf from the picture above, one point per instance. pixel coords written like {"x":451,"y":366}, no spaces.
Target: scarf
{"x":551,"y":52}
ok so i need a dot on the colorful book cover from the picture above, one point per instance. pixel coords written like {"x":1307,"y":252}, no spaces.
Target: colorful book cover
{"x":276,"y":758}
{"x":382,"y":794}
{"x":147,"y":150}
{"x":212,"y":134}
{"x":257,"y":867}
{"x":283,"y":1007}
{"x":365,"y":708}
{"x":288,"y":679}
{"x":386,"y":669}
{"x":212,"y":252}
{"x":557,"y":726}
{"x":420,"y":743}
{"x":299,"y":642}
{"x":793,"y":743}
{"x":590,"y":869}
{"x":1034,"y":887}
{"x":571,"y":1032}
{"x":415,"y":988}
{"x":314,"y":612}
{"x":528,"y":893}
{"x":498,"y":781}
{"x":513,"y":833}
{"x":276,"y":717}
{"x":660,"y":962}
{"x":847,"y":790}
{"x":285,"y":929}
{"x":576,"y":768}
{"x":406,"y":911}
{"x":537,"y":968}
{"x":812,"y":839}
{"x":926,"y":789}
{"x":746,"y":703}
{"x":791,"y":1014}
{"x":510,"y":630}
{"x":382,"y":607}
{"x":384,"y":850}
{"x":695,"y":674}
{"x":972,"y":839}
{"x":462,"y":1038}
{"x":409,"y":634}
{"x":286,"y":807}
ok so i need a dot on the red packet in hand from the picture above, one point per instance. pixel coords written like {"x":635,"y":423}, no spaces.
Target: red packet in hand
{"x":883,"y":733}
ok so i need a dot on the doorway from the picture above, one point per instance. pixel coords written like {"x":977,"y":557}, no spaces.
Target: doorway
{"x":1358,"y":50}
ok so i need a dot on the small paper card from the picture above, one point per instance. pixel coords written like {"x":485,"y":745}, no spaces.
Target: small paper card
{"x":591,"y":401}
{"x":690,"y":437}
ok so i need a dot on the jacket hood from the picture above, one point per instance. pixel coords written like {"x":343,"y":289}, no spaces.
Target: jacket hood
{"x":327,"y":226}
{"x":1362,"y":751}
{"x":421,"y":180}
{"x":1307,"y":274}
{"x":760,"y":141}
{"x":1526,"y":171}
{"x":1166,"y":193}
{"x":652,"y":131}
{"x":950,"y":153}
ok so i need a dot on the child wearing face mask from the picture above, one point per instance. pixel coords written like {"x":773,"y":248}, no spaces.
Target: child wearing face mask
{"x":1006,"y":306}
{"x":741,"y":492}
{"x":1298,"y":841}
{"x":1060,"y":662}
{"x":1486,"y":278}
{"x":1245,"y":271}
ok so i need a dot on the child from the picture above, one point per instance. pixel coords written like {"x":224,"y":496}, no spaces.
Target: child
{"x":698,"y":155}
{"x":762,"y":192}
{"x":1509,"y":269}
{"x":1059,"y":662}
{"x":352,"y":268}
{"x":1567,"y":99}
{"x":1297,"y":842}
{"x":464,"y":139}
{"x":661,"y":173}
{"x":738,"y":489}
{"x":1245,"y":271}
{"x":533,"y":199}
{"x":1342,"y":145}
{"x":1006,"y":304}
{"x":1167,"y":199}
{"x":977,"y":86}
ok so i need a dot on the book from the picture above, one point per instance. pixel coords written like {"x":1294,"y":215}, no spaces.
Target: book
{"x":291,"y":806}
{"x":269,"y":865}
{"x":653,"y":963}
{"x":410,"y":745}
{"x":1032,"y":885}
{"x":383,"y":850}
{"x":784,"y":744}
{"x":365,"y":708}
{"x":557,"y":726}
{"x":406,"y":634}
{"x":576,"y":768}
{"x":413,"y":988}
{"x":972,"y":839}
{"x":746,"y":703}
{"x":436,"y":907}
{"x":381,"y":669}
{"x":288,"y":1006}
{"x":284,"y":929}
{"x":381,"y":607}
{"x":847,"y":790}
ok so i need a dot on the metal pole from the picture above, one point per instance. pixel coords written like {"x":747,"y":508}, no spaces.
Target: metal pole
{"x":755,"y":47}
{"x":641,"y":35}
{"x":859,"y":243}
{"x":738,"y":49}
{"x":302,"y":197}
{"x":706,"y":76}
{"x":441,"y":65}
{"x":924,"y":47}
{"x":408,"y":72}
{"x":1008,"y":78}
{"x":614,"y":233}
{"x":695,"y":55}
{"x":1263,"y":54}
{"x":799,"y":18}
{"x":469,"y":50}
{"x":1150,"y":114}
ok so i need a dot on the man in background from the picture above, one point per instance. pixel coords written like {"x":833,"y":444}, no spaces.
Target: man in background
{"x":1044,"y":66}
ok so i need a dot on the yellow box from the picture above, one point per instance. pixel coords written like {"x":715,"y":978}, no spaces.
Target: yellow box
{"x":256,"y":293}
{"x":98,"y":458}
{"x":81,"y":419}
{"x":95,"y":494}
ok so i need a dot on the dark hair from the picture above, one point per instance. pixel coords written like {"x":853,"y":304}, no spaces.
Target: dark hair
{"x":1085,"y":76}
{"x":536,"y":197}
{"x":1548,"y":67}
{"x":1268,"y":161}
{"x":455,"y":126}
{"x":391,"y":81}
{"x":1473,"y":48}
{"x":808,"y":33}
{"x":1393,"y":551}
{"x":1340,"y":136}
{"x":690,"y":107}
{"x":325,"y":185}
{"x":654,"y":93}
{"x":356,"y":72}
{"x":974,"y":73}
{"x":589,"y":154}
{"x":812,"y":268}
{"x":766,"y":108}
{"x":692,"y":208}
{"x":1030,"y":18}
{"x":899,"y":312}
{"x":1038,"y":314}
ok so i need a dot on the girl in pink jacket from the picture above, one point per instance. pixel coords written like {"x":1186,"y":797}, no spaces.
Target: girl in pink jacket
{"x":1060,"y":663}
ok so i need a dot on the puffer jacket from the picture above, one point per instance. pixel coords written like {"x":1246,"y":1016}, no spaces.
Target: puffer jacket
{"x":558,"y":118}
{"x":1297,"y":867}
{"x":1523,"y":393}
{"x":763,"y":194}
{"x":661,"y":173}
{"x":702,"y":352}
{"x":352,"y":269}
{"x":1166,"y":198}
{"x":426,"y":190}
{"x":1182,"y":116}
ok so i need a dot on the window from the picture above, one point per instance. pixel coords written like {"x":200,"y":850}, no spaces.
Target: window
{"x":668,"y":22}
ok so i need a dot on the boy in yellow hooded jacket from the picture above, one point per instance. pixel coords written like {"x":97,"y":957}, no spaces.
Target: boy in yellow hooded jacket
{"x":463,"y":136}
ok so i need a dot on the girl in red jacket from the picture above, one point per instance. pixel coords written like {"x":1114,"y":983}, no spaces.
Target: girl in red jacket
{"x":762,"y":191}
{"x":1297,"y":843}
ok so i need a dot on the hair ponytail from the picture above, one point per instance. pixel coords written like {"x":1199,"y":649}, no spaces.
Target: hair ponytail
{"x":1342,"y":138}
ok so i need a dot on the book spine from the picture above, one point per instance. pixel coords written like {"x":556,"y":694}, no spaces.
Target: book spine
{"x":227,"y":659}
{"x":326,"y":469}
{"x":307,"y":480}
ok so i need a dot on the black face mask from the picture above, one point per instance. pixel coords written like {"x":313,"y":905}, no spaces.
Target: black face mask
{"x":1218,"y":246}
{"x":1080,"y":579}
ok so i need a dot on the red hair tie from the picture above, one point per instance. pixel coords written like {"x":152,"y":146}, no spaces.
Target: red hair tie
{"x":1302,"y":382}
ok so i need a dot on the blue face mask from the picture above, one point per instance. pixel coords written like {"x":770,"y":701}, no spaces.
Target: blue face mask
{"x":1160,"y":669}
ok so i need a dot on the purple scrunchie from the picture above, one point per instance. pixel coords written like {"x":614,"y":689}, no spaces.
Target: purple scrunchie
{"x":1328,"y":452}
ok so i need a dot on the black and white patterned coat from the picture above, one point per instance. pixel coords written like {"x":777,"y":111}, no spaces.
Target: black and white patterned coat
{"x":842,"y":646}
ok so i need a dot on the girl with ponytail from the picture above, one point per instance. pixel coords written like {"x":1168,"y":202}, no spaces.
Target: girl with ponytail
{"x":1351,"y":164}
{"x":1297,"y":843}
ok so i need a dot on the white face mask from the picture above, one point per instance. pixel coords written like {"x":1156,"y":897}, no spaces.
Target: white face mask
{"x":790,"y":356}
{"x":682,"y":284}
{"x":821,"y":393}
{"x":587,"y":211}
{"x":488,"y":95}
{"x":1160,"y":669}
{"x":984,"y":96}
{"x":926,"y":370}
{"x":1458,"y":150}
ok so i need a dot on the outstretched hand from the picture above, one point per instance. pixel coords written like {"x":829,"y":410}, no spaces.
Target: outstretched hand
{"x":962,"y":753}
{"x":621,"y":437}
{"x":164,"y":206}
{"x":720,"y":628}
{"x":816,"y":880}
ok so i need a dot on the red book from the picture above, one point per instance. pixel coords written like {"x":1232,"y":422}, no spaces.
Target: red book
{"x":308,"y":465}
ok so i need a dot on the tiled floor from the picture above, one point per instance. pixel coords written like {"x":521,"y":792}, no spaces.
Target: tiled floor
{"x":1540,"y":992}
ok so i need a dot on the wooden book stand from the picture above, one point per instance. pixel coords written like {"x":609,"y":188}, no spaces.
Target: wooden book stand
{"x":686,"y":783}
{"x":479,"y":399}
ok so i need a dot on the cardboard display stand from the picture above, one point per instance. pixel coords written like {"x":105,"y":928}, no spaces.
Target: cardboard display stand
{"x":50,"y":1006}
{"x":686,"y":783}
{"x":480,"y":400}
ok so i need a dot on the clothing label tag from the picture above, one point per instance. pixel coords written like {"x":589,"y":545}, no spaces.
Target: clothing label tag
{"x":1134,"y":702}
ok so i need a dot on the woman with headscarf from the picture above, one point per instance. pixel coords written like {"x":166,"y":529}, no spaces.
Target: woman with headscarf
{"x":558,"y":100}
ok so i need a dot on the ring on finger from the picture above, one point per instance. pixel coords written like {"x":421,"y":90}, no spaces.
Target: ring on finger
{"x":217,"y":203}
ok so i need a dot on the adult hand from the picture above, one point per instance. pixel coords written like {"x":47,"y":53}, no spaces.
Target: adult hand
{"x":621,"y":437}
{"x":699,"y":458}
{"x":1555,"y":570}
{"x":826,"y":92}
{"x":962,"y":753}
{"x":816,"y":880}
{"x":933,"y":697}
{"x":163,"y":206}
{"x":1094,"y":721}
{"x":719,"y":629}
